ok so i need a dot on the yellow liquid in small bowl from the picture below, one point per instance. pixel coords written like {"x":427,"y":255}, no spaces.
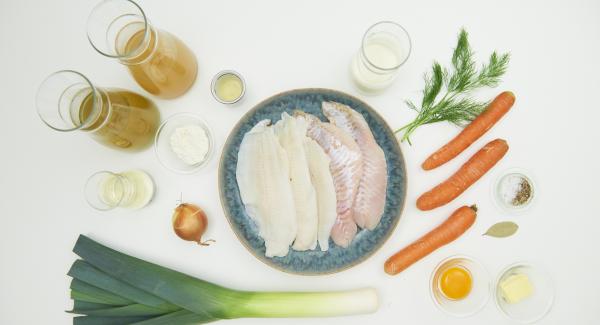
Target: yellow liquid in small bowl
{"x":456,"y":283}
{"x":229,"y":87}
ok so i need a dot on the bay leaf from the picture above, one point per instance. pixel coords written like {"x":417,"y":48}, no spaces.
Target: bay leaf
{"x":502,"y":229}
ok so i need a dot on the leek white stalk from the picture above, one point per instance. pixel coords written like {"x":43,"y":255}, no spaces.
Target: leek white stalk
{"x":308,"y":304}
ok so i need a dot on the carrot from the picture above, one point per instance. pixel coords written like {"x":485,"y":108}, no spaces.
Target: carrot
{"x":461,"y":220}
{"x":469,"y":173}
{"x":497,"y":108}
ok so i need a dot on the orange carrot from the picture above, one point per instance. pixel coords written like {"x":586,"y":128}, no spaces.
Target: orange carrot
{"x":497,"y":108}
{"x":469,"y":173}
{"x":461,"y":220}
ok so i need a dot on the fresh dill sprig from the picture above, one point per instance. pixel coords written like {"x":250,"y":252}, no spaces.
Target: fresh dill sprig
{"x":454,"y":105}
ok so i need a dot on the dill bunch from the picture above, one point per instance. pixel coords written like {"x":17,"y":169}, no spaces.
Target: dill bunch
{"x":455,"y":105}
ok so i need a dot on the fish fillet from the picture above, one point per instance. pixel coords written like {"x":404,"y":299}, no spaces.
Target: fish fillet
{"x":346,"y":170}
{"x":263,"y":179}
{"x":291,"y":133}
{"x":318,"y":165}
{"x":370,"y":199}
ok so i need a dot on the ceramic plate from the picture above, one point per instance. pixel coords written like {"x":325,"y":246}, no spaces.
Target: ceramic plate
{"x":336,"y":258}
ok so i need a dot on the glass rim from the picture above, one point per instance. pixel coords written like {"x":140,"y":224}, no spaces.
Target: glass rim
{"x":364,"y":38}
{"x":87,"y":183}
{"x":39,"y":108}
{"x":116,"y":56}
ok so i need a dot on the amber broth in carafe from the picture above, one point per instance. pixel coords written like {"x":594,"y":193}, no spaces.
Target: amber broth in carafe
{"x":124,"y":121}
{"x":166,"y":67}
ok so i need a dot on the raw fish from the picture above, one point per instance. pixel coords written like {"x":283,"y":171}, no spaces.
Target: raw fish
{"x":318,"y":165}
{"x":370,"y":199}
{"x":291,"y":133}
{"x":263,"y":179}
{"x":346,"y":170}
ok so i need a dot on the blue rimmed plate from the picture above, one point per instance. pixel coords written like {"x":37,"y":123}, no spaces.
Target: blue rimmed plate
{"x":314,"y":262}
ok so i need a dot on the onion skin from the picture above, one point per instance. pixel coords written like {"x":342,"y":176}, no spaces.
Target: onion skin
{"x":190,"y":222}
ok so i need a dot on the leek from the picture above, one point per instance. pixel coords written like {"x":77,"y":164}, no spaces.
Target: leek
{"x":80,"y":288}
{"x":93,"y":320}
{"x":129,"y":310}
{"x":110,"y":287}
{"x":83,"y":305}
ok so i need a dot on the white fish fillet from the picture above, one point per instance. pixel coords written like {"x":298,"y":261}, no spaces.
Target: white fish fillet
{"x":263,"y":179}
{"x":291,"y":133}
{"x":318,"y":165}
{"x":370,"y":199}
{"x":346,"y":170}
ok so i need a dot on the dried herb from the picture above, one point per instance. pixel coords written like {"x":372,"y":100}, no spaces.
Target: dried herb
{"x":523,"y":193}
{"x":502,"y":229}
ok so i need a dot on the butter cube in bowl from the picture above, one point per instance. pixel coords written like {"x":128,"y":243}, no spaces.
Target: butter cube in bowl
{"x":524,"y":293}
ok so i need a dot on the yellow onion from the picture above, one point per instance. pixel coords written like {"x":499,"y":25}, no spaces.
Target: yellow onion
{"x":190,"y":222}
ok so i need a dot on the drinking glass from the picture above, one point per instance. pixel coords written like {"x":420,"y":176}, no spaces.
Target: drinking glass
{"x":158,"y":61}
{"x":106,"y":190}
{"x":385,"y":48}
{"x":67,"y":101}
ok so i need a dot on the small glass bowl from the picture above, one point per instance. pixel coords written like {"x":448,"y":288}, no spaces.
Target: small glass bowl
{"x":215,"y":80}
{"x":162,"y":145}
{"x":480,"y":289}
{"x":533,"y":308}
{"x":503,"y":181}
{"x":132,"y":189}
{"x":104,"y":190}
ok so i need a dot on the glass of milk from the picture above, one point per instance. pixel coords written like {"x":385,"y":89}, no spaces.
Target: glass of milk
{"x":385,"y":47}
{"x":132,"y":189}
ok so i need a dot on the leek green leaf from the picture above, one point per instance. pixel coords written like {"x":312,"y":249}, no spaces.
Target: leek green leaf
{"x":85,"y":272}
{"x":84,"y":305}
{"x":92,"y":291}
{"x":129,"y":310}
{"x":181,"y":317}
{"x":93,"y":320}
{"x":76,"y":295}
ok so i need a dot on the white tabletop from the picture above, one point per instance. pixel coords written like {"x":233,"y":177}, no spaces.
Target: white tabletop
{"x":280,"y":45}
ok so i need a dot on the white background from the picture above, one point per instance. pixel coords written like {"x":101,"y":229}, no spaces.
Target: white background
{"x":280,"y":45}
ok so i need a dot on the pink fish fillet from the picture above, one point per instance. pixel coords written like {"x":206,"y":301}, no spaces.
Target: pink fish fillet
{"x":346,"y":169}
{"x":370,"y":199}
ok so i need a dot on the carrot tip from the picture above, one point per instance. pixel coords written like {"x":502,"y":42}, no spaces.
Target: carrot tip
{"x":474,"y":207}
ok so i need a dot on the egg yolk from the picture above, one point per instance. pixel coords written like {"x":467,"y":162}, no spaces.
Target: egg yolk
{"x":456,"y":283}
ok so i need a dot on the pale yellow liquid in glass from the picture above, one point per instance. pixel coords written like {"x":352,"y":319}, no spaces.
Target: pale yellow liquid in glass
{"x":229,"y":87}
{"x":125,"y":120}
{"x":166,"y":68}
{"x":131,"y":189}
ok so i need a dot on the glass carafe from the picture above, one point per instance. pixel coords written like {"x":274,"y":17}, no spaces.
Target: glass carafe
{"x":120,"y":119}
{"x":159,"y":62}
